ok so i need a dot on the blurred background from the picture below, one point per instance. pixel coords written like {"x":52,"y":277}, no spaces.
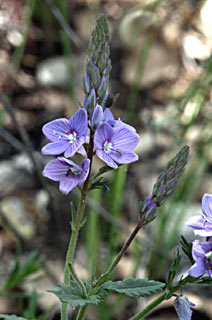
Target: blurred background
{"x":161,"y":82}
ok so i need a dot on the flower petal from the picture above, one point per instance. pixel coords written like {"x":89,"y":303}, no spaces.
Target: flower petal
{"x":197,"y":250}
{"x":55,"y":169}
{"x":74,"y":147}
{"x":123,"y":157}
{"x":56,"y":128}
{"x":207,"y":206}
{"x":67,"y":184}
{"x":108,"y":115}
{"x":55,"y":148}
{"x":86,"y":166}
{"x":82,"y":151}
{"x":102,"y":134}
{"x":124,"y":139}
{"x":198,"y":269}
{"x":106,"y":158}
{"x":183,"y":308}
{"x":196,"y":222}
{"x":97,"y":115}
{"x":79,"y":122}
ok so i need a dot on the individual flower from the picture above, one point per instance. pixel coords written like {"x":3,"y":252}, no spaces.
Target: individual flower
{"x":202,"y":254}
{"x":66,"y":135}
{"x":203,"y":224}
{"x":67,"y":173}
{"x":114,"y":145}
{"x":183,"y":308}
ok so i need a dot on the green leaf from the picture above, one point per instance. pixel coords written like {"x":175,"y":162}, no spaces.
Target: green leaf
{"x":174,"y":267}
{"x":12,"y":317}
{"x":134,"y":287}
{"x":73,"y":295}
{"x":23,"y":270}
{"x":187,"y":248}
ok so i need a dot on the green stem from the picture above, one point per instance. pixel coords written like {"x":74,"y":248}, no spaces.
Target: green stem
{"x":125,"y":246}
{"x":151,"y":306}
{"x":76,"y":229}
{"x":77,"y":279}
{"x":71,"y":250}
{"x":82,"y":312}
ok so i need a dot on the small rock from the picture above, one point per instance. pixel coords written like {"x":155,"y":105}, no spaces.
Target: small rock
{"x":15,"y":214}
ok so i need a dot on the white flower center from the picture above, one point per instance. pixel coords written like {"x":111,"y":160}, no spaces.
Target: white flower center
{"x":72,"y":137}
{"x":107,"y":146}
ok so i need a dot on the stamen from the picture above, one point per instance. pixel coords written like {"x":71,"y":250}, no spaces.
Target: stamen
{"x":72,"y":137}
{"x":118,"y":152}
{"x":66,"y":131}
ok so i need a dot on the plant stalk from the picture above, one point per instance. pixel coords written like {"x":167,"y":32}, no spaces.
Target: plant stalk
{"x":71,"y":250}
{"x":125,"y":246}
{"x":76,"y":229}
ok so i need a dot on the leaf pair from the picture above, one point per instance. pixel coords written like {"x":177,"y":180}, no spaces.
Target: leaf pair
{"x":130,"y":287}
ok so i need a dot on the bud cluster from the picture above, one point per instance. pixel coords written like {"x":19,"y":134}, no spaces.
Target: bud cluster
{"x":98,"y":66}
{"x":166,"y":183}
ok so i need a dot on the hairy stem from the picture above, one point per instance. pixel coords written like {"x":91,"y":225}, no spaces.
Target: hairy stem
{"x":71,"y":250}
{"x":125,"y":247}
{"x":76,"y":229}
{"x":151,"y":306}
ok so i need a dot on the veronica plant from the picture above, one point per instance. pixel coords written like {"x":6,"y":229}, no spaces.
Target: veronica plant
{"x":93,"y":131}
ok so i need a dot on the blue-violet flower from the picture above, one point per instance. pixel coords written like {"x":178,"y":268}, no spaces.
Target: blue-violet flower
{"x":202,"y":254}
{"x":183,"y":308}
{"x":66,"y":135}
{"x":67,"y":173}
{"x":114,"y":145}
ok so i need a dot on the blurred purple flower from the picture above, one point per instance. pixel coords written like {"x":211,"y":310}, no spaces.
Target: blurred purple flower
{"x":183,"y":308}
{"x":66,"y":135}
{"x":202,"y":254}
{"x":67,"y":173}
{"x":114,"y":145}
{"x":203,"y":224}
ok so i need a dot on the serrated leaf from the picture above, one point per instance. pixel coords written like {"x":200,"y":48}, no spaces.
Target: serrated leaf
{"x":12,"y":317}
{"x":73,"y":295}
{"x":134,"y":287}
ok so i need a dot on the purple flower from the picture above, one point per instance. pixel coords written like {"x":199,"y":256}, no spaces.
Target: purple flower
{"x":203,"y":224}
{"x":183,"y":308}
{"x":114,"y":145}
{"x":202,"y":254}
{"x":66,"y":135}
{"x":67,"y":173}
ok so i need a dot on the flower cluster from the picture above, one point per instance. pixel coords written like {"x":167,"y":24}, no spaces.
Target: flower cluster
{"x":202,"y":251}
{"x":93,"y":128}
{"x":166,"y":183}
